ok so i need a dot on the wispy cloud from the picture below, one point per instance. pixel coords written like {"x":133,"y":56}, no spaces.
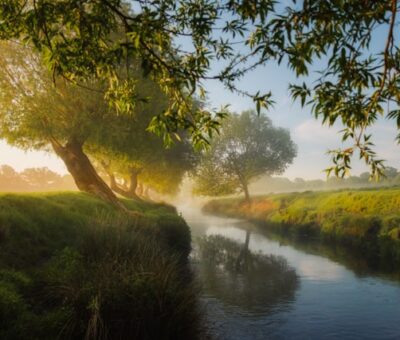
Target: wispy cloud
{"x":312,"y":131}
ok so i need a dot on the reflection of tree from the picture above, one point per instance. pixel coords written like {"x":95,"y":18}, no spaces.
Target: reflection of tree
{"x":362,"y":262}
{"x":240,"y":278}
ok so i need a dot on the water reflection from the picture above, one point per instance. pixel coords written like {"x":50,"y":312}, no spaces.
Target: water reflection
{"x":253,"y":282}
{"x":362,"y":264}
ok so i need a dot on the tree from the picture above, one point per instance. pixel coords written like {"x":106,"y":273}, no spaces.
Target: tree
{"x":390,"y":172}
{"x":137,"y":157}
{"x":365,"y":176}
{"x":67,"y":118}
{"x":165,"y":175}
{"x":10,"y":180}
{"x":37,"y":115}
{"x":41,"y":179}
{"x":248,"y":146}
{"x":77,"y":39}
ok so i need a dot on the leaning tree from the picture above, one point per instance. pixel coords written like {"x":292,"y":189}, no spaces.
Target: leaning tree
{"x":70,"y":119}
{"x":352,"y":44}
{"x":133,"y":157}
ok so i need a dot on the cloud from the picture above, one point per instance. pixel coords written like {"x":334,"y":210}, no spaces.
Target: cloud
{"x":312,"y":131}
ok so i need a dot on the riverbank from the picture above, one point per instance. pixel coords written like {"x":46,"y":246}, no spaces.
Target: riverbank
{"x":366,"y":219}
{"x":73,"y":267}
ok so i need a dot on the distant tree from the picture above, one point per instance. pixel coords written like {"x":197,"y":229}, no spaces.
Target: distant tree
{"x":10,"y":180}
{"x":390,"y":172}
{"x":365,"y":176}
{"x":299,"y":180}
{"x":41,"y":179}
{"x":248,"y":146}
{"x":396,"y":180}
{"x":353,"y":181}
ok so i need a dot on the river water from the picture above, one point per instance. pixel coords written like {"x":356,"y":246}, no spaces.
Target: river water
{"x":255,"y":287}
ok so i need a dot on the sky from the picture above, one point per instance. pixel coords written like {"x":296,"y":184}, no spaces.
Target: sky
{"x":313,"y":140}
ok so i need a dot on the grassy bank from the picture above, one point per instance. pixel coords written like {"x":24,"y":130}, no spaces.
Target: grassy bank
{"x":72,"y":267}
{"x":368,"y":219}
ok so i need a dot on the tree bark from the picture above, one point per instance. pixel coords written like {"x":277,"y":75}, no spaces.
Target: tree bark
{"x":246,"y":193}
{"x":245,"y":188}
{"x":127,"y":193}
{"x":116,"y":188}
{"x":83,"y":172}
{"x":243,"y":181}
{"x":133,"y":182}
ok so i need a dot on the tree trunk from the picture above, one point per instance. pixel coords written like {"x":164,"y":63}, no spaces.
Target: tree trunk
{"x":243,"y":183}
{"x":245,"y":190}
{"x":83,"y":172}
{"x":133,"y":182}
{"x":116,"y":188}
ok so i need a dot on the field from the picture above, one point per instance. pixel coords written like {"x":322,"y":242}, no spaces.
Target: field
{"x":73,"y":267}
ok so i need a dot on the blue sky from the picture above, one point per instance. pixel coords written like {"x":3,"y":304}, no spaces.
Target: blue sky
{"x":313,"y":140}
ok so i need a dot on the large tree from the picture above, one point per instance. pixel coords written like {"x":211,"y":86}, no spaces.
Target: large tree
{"x":70,"y":119}
{"x":178,"y":42}
{"x":142,"y":162}
{"x":248,"y":146}
{"x":133,"y":157}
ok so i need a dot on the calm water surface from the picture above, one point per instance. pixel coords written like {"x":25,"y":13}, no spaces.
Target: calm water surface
{"x":257,"y":288}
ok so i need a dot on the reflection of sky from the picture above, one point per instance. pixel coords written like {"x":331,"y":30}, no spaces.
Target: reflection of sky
{"x":307,"y":266}
{"x":331,"y":302}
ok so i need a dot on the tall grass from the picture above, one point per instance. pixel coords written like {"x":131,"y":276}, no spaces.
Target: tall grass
{"x":73,"y":268}
{"x":368,"y":219}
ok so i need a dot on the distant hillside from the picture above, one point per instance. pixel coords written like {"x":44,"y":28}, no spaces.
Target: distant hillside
{"x":267,"y":184}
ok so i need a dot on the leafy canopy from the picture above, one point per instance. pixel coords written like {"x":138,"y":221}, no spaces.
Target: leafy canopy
{"x":178,"y":42}
{"x":247,"y":147}
{"x":35,"y":113}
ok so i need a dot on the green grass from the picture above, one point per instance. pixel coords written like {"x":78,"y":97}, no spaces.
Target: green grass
{"x":73,"y":267}
{"x":366,"y":218}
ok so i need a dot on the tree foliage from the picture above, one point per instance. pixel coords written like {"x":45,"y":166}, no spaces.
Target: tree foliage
{"x":178,"y":43}
{"x":138,"y":157}
{"x":34,"y":112}
{"x":33,"y":179}
{"x":76,"y":120}
{"x":248,"y":146}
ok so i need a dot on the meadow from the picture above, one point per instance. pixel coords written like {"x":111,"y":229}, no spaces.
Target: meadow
{"x":72,"y":266}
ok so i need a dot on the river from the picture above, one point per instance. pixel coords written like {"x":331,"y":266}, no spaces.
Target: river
{"x":255,"y":287}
